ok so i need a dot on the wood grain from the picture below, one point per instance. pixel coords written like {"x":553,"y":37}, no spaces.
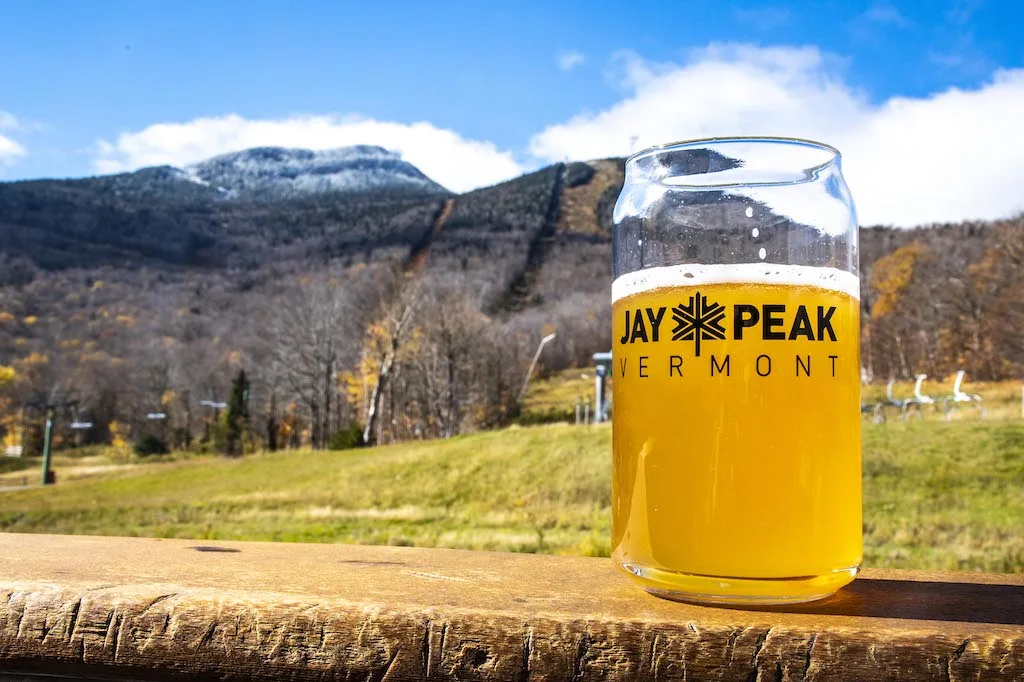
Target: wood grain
{"x":147,"y":609}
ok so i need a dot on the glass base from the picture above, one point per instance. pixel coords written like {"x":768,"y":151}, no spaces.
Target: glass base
{"x":710,"y":589}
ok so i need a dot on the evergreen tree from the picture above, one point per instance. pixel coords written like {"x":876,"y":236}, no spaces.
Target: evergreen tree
{"x":272,"y":424}
{"x":237,"y":418}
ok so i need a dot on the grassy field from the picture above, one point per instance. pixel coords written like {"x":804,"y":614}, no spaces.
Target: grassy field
{"x":937,"y":494}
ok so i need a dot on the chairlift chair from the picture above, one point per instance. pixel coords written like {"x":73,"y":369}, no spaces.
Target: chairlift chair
{"x":878,"y":410}
{"x":78,"y":425}
{"x":161,"y":419}
{"x":902,"y":404}
{"x":958,"y":396}
{"x":917,"y":399}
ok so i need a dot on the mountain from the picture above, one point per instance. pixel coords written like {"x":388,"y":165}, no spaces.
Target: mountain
{"x":137,"y":289}
{"x":280,"y":173}
{"x":238,"y":209}
{"x":262,"y":174}
{"x":534,"y":238}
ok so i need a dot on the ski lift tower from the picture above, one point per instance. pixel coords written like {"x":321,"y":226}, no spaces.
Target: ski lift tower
{"x":602,"y":369}
{"x":49,"y":407}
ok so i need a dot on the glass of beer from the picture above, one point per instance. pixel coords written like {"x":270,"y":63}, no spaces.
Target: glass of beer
{"x":736,"y":372}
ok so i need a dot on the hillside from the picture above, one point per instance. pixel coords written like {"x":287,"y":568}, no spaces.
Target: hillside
{"x":151,"y":290}
{"x":357,"y":204}
{"x":236,"y":210}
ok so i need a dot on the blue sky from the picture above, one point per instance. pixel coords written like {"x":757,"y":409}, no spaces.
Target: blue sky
{"x":501,"y":88}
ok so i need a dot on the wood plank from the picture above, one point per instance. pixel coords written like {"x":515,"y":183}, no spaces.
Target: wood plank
{"x":149,"y":609}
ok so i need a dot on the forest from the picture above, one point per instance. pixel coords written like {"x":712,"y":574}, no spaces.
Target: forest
{"x":167,"y":318}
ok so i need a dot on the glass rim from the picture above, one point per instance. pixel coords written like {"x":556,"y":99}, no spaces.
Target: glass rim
{"x":827,"y":156}
{"x":728,"y":139}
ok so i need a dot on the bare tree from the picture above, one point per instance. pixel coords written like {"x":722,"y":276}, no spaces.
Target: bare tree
{"x":388,"y":335}
{"x":450,"y":357}
{"x":307,"y":328}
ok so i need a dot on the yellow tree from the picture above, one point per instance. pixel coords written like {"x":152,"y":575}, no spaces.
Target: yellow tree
{"x":33,"y":379}
{"x":895,"y":315}
{"x":386,"y":338}
{"x":8,"y":420}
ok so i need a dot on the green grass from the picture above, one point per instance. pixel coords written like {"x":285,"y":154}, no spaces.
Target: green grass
{"x":8,"y":464}
{"x":936,"y":495}
{"x":945,"y":495}
{"x":554,"y":398}
{"x":535,"y":489}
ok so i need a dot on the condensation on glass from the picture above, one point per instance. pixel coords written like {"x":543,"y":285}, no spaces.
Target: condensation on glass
{"x":736,"y":372}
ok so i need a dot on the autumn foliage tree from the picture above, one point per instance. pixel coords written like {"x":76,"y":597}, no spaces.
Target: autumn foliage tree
{"x":895,"y":330}
{"x":8,"y":420}
{"x":938,"y":310}
{"x":386,"y":338}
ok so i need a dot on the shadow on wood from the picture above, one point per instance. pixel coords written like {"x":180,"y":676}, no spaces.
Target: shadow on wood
{"x":921,"y":600}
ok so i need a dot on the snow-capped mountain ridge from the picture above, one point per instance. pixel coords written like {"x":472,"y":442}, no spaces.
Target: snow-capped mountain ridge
{"x":279,"y":172}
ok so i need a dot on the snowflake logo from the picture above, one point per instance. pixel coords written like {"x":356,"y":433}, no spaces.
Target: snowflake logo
{"x":698,"y":321}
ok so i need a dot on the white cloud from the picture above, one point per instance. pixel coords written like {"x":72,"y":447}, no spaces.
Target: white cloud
{"x":567,"y":61}
{"x":10,"y":151}
{"x":954,"y":155}
{"x":723,"y":90}
{"x":455,"y":162}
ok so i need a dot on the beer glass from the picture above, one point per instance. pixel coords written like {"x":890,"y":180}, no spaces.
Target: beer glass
{"x":736,"y":372}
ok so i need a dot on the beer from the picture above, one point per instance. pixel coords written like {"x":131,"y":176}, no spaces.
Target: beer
{"x":737,"y":430}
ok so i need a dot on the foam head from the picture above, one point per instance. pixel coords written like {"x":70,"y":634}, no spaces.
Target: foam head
{"x":690,"y":274}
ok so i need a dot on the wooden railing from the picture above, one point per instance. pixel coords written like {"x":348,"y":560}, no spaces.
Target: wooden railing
{"x":148,"y":609}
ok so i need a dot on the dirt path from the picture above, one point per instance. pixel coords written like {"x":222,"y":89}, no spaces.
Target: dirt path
{"x":84,"y":468}
{"x":418,"y":255}
{"x":522,"y":286}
